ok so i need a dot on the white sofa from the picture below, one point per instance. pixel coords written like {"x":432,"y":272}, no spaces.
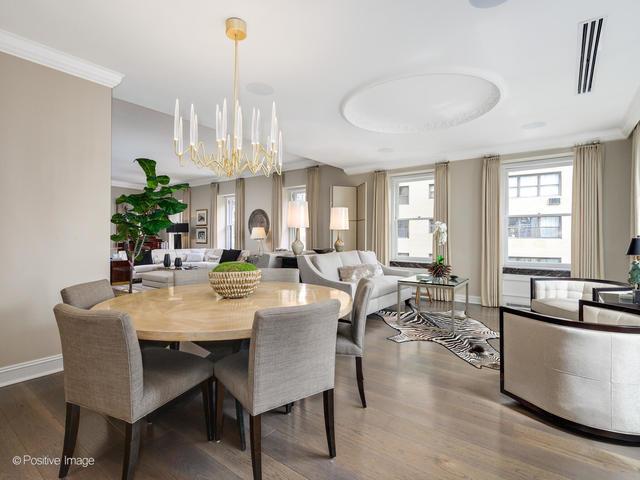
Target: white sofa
{"x":559,"y":297}
{"x":580,"y":374}
{"x":322,"y":269}
{"x":210,"y":258}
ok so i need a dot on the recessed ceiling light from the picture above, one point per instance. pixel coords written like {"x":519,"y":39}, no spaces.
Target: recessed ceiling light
{"x":385,"y":150}
{"x":486,"y":3}
{"x":534,"y":125}
{"x":260,"y":88}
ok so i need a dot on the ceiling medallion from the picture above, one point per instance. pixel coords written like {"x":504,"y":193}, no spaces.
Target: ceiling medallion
{"x":420,"y":103}
{"x":229,"y":157}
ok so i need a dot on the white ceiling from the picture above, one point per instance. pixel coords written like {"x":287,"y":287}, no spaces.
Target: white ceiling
{"x":316,"y":55}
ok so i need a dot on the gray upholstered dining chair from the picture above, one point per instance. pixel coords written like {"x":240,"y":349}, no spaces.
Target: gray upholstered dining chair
{"x":86,"y":295}
{"x":350,"y":339}
{"x":106,"y":371}
{"x":291,"y":357}
{"x":280,"y":275}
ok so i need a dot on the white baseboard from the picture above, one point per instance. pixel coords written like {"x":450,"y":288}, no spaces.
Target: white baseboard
{"x":472,"y":299}
{"x":32,"y":369}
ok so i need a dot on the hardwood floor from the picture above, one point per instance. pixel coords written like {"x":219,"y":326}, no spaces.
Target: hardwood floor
{"x":430,"y":415}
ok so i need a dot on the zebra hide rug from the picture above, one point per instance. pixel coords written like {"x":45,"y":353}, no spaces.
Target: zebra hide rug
{"x":469,"y":342}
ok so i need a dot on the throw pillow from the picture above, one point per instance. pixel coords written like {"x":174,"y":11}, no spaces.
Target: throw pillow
{"x":354,"y":273}
{"x":230,"y":256}
{"x":195,"y":257}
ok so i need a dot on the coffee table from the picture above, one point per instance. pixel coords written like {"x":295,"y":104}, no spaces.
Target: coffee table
{"x":445,"y":284}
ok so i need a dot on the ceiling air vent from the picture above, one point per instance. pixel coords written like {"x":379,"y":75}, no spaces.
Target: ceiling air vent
{"x":590,"y":32}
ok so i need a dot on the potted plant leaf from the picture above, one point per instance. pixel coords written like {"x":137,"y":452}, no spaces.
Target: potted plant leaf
{"x":146,"y":214}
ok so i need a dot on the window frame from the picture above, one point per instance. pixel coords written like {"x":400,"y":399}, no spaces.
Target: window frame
{"x":394,"y":181}
{"x":537,"y":185}
{"x":538,"y":217}
{"x":229,"y":225}
{"x":561,"y":160}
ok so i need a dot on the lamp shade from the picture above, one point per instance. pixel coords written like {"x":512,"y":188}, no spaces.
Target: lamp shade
{"x":258,"y":233}
{"x":339,"y":218}
{"x":634,"y":247}
{"x":178,"y":228}
{"x":298,"y":214}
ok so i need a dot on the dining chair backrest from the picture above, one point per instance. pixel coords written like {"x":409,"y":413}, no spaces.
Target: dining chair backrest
{"x":280,"y":275}
{"x":102,"y":360}
{"x":292,"y":354}
{"x":86,"y":295}
{"x":359,"y":312}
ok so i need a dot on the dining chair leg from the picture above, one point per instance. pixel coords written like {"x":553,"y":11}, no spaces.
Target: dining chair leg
{"x":240,"y":422}
{"x":174,"y":345}
{"x":256,"y":446}
{"x":207,"y":402}
{"x":360,"y":378}
{"x":131,"y":449}
{"x":219,"y":405}
{"x":71,"y":424}
{"x":327,"y":400}
{"x":288,"y":408}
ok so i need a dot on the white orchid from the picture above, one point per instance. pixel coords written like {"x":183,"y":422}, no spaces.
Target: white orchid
{"x":440,"y":232}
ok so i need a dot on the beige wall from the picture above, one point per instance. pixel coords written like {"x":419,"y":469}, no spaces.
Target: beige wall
{"x":55,"y":154}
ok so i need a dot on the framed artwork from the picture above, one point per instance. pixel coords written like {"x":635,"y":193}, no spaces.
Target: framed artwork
{"x":202,"y":217}
{"x":202,"y":236}
{"x":259,"y":218}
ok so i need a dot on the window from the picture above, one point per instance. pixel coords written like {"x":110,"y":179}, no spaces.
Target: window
{"x":294,"y":194}
{"x":229,"y":221}
{"x":432,"y":191}
{"x":403,"y":195}
{"x":536,"y":229}
{"x":535,"y":185}
{"x":412,"y":225}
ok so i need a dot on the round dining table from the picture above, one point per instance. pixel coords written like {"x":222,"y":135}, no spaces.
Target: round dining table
{"x":197,"y":313}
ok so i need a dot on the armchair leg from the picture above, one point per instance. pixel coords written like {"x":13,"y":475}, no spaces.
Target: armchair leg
{"x":327,"y":400}
{"x":131,"y":449}
{"x":71,"y":424}
{"x":174,"y":345}
{"x":256,"y":446}
{"x":219,"y":405}
{"x":240,"y":422}
{"x":360,"y":377}
{"x":207,"y":402}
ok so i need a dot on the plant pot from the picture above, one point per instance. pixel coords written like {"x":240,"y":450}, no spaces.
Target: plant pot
{"x":235,"y":284}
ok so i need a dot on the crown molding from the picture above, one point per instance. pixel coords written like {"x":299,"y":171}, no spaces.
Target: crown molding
{"x":632,"y":117}
{"x":505,"y":149}
{"x":118,"y":183}
{"x":49,"y":57}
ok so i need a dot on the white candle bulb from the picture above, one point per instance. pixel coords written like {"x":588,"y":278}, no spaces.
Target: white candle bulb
{"x":196,"y":130}
{"x":272,"y":133}
{"x":192,"y":126}
{"x":176,"y":120}
{"x":253,"y":126}
{"x":280,"y":149}
{"x":217,"y":122}
{"x":239,"y":128}
{"x":180,"y":132}
{"x":258,"y":127}
{"x":229,"y":145}
{"x":224,"y":119}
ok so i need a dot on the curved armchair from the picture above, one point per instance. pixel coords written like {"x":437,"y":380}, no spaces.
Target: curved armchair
{"x":577,"y":374}
{"x":559,"y":297}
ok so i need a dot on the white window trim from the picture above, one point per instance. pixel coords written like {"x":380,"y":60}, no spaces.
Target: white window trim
{"x":226,"y":198}
{"x":394,"y":180}
{"x":560,"y":160}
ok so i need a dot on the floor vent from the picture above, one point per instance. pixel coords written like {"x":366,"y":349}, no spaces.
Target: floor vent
{"x":590,"y":34}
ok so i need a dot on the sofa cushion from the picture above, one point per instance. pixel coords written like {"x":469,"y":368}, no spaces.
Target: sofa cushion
{"x":556,"y":307}
{"x":328,"y":264}
{"x":157,"y":255}
{"x":230,"y":255}
{"x":145,"y":268}
{"x":212,"y":255}
{"x":350,"y":258}
{"x":384,"y":285}
{"x":195,"y":257}
{"x":367,"y":256}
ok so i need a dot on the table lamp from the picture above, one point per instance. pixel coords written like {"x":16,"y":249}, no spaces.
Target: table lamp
{"x":634,"y":272}
{"x":178,"y":229}
{"x":339,"y":222}
{"x":259,"y":233}
{"x":297,"y":217}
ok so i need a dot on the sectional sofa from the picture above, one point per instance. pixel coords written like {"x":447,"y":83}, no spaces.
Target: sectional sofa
{"x":205,"y":258}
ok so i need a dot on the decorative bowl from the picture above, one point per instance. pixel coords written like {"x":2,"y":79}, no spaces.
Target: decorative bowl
{"x":235,"y":284}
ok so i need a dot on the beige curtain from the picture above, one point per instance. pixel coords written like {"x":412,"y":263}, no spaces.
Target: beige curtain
{"x":586,"y":214}
{"x":313,"y":191}
{"x":441,"y":214}
{"x":380,"y":224}
{"x":186,"y":217}
{"x":239,"y":217}
{"x":635,"y":181}
{"x":213,"y":216}
{"x":277,"y":185}
{"x":490,"y":258}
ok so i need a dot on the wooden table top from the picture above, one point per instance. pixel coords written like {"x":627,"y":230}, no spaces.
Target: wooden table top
{"x":196,"y":312}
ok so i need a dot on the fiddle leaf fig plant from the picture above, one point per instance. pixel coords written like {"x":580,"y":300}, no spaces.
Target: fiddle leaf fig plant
{"x":146,"y":214}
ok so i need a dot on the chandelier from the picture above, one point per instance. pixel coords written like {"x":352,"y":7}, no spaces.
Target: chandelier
{"x":229,"y":157}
